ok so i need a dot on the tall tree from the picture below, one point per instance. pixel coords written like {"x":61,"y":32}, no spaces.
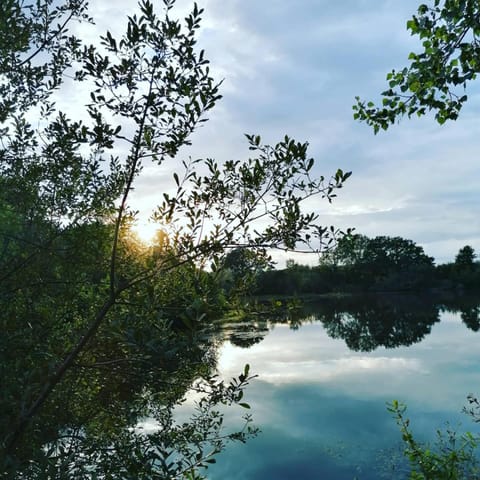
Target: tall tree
{"x":465,"y":257}
{"x":394,"y":253}
{"x":385,"y":263}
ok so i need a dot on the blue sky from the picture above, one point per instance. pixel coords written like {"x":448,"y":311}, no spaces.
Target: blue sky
{"x":295,"y":68}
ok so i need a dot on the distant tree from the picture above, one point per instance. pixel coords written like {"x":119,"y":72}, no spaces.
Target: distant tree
{"x":244,"y":261}
{"x":395,"y":252}
{"x":380,"y":252}
{"x":350,"y":250}
{"x":465,"y":257}
{"x":383,"y":262}
{"x":239,"y":270}
{"x":290,"y":264}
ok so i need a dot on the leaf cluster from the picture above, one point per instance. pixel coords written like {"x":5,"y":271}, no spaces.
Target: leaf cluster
{"x":452,"y":458}
{"x":437,"y":76}
{"x":252,"y":203}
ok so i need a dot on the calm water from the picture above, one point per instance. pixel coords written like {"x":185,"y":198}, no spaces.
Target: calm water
{"x":321,"y":405}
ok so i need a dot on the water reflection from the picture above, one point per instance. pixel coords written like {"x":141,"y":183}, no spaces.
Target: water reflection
{"x":248,"y":332}
{"x":325,"y":372}
{"x":364,"y":322}
{"x":380,"y":321}
{"x":322,"y":387}
{"x":469,"y":310}
{"x":93,"y":425}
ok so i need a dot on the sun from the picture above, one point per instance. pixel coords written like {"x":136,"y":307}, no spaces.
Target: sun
{"x":146,"y":231}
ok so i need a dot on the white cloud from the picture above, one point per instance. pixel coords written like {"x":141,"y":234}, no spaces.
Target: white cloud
{"x":334,"y":369}
{"x":295,"y":67}
{"x":320,"y":359}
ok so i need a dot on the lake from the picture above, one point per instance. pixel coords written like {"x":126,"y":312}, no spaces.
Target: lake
{"x":325,"y":372}
{"x":324,"y":377}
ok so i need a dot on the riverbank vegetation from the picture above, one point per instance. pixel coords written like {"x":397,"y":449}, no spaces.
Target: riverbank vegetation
{"x":379,"y":264}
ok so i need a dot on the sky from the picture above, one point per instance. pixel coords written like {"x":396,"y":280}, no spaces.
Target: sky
{"x":295,"y":68}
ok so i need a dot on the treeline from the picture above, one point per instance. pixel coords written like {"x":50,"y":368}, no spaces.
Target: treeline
{"x":380,"y":264}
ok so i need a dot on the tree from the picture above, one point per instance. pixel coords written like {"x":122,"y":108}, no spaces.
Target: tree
{"x":395,"y":253}
{"x":350,"y":250}
{"x":72,"y":277}
{"x":465,"y":257}
{"x":437,"y":76}
{"x":391,"y":263}
{"x":240,"y":269}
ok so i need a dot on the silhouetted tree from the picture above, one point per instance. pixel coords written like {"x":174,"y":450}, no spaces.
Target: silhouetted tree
{"x":465,"y":257}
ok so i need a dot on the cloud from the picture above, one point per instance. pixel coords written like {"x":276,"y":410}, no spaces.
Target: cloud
{"x":294,"y":68}
{"x":332,"y":369}
{"x":321,"y":360}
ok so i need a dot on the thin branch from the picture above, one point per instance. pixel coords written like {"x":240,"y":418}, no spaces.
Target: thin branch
{"x":128,"y":187}
{"x":47,"y":41}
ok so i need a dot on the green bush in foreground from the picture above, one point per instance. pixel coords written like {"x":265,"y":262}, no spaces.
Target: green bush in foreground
{"x":453,"y":456}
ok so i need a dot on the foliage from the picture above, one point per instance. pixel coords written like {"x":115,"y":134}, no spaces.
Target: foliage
{"x":357,"y":263}
{"x":380,"y":252}
{"x":116,"y":441}
{"x":465,"y":257}
{"x":349,"y":251}
{"x":453,"y":457}
{"x":463,"y":274}
{"x":255,"y":203}
{"x":103,"y":323}
{"x":297,"y":281}
{"x":385,"y":262}
{"x":437,"y":77}
{"x":240,"y":270}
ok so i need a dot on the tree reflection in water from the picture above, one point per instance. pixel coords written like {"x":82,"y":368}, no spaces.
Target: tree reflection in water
{"x":469,"y":309}
{"x":115,"y":415}
{"x":367,"y":322}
